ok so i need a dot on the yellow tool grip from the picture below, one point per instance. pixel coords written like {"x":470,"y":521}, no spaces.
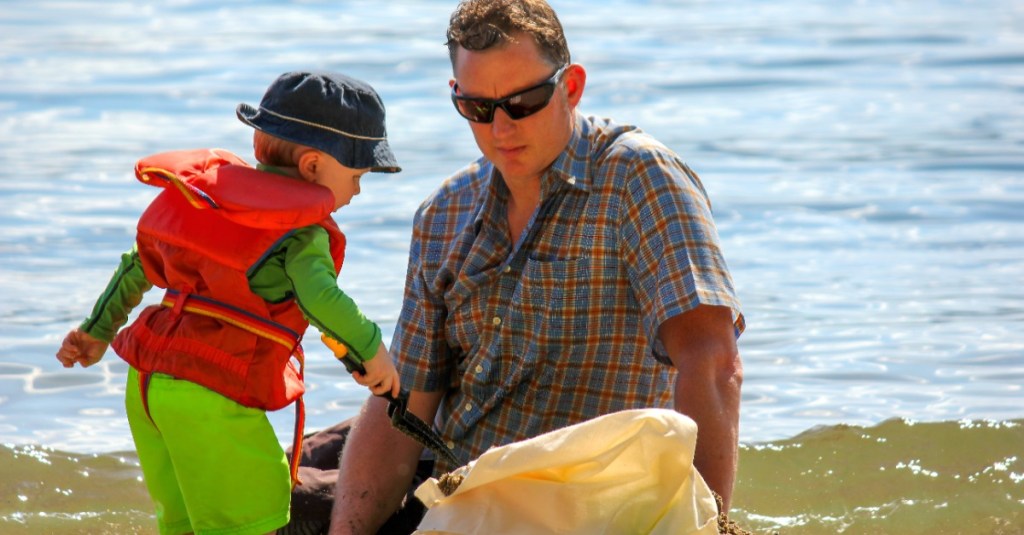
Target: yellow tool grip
{"x":341,"y":353}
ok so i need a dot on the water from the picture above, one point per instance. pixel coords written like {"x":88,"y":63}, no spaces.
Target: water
{"x":865,"y":162}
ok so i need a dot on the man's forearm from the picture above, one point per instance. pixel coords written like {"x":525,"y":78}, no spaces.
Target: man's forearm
{"x":703,"y":349}
{"x":377,"y":467}
{"x":716,"y":412}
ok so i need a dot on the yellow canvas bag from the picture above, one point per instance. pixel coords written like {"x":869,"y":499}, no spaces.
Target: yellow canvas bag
{"x":622,"y":473}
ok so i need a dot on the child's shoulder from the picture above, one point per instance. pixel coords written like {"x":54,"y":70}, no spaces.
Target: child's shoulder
{"x":309,"y":234}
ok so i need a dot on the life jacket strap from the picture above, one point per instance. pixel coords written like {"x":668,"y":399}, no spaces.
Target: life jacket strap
{"x":263,"y":327}
{"x":300,"y":422}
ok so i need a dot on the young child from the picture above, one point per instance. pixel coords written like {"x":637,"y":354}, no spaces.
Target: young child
{"x":249,"y":257}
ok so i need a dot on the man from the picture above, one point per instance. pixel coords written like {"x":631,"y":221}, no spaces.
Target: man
{"x":574,"y":270}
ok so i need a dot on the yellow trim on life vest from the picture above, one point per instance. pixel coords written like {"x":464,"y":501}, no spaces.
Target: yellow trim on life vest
{"x":181,"y":186}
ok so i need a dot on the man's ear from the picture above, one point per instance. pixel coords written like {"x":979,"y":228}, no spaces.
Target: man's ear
{"x":575,"y":81}
{"x":308,"y":163}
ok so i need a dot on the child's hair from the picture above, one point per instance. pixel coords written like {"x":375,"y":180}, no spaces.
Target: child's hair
{"x":270,"y":150}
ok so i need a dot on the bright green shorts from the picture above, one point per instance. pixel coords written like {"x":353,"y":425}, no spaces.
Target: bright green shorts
{"x":211,"y":465}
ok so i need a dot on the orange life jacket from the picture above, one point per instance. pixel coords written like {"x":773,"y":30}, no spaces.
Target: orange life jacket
{"x":213,"y":225}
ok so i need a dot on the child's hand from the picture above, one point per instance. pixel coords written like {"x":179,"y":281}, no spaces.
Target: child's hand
{"x":381,"y":376}
{"x":80,"y":347}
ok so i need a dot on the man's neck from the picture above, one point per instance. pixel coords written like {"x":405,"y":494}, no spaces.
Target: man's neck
{"x":523,"y":199}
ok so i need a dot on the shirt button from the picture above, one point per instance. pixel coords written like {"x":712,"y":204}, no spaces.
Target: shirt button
{"x":496,"y":321}
{"x":469,"y":407}
{"x":479,"y":369}
{"x":451,"y":445}
{"x":508,"y":268}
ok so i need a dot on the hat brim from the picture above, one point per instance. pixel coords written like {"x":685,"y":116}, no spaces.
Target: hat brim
{"x":355,"y":153}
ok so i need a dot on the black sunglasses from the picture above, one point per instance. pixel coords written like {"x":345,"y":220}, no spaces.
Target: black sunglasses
{"x":517,"y":105}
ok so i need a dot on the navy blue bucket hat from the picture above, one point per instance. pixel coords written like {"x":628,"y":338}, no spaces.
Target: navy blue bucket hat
{"x":327,"y":111}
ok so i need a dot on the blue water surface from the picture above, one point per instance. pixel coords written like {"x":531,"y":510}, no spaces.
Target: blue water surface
{"x":865,"y":162}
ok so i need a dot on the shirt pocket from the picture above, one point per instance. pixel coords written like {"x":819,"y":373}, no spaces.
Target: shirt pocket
{"x":554,"y":301}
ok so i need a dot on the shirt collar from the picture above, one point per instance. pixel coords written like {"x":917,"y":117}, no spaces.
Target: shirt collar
{"x":572,"y":165}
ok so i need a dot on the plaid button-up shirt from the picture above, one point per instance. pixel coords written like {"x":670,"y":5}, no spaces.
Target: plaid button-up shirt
{"x":561,"y":326}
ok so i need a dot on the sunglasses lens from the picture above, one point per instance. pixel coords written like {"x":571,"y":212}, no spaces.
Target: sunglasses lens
{"x":476,"y":110}
{"x":528,"y":102}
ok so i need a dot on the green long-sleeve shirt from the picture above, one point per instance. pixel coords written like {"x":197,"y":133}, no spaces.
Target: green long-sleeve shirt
{"x":300,"y":266}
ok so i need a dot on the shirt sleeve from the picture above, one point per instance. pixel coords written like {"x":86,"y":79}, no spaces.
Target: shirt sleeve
{"x":123,"y":293}
{"x":310,"y":270}
{"x":669,"y":236}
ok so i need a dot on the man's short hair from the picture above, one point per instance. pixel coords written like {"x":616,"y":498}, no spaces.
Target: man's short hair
{"x":483,"y":24}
